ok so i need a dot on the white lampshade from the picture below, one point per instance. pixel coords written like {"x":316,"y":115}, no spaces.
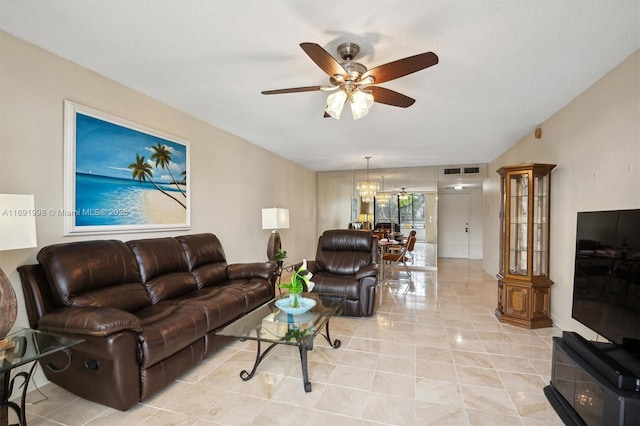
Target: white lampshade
{"x":17,"y":222}
{"x":275,"y":218}
{"x":360,"y":104}
{"x":335,"y":103}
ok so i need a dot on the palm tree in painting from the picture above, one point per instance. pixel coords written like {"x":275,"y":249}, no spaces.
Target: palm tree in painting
{"x":162,"y":157}
{"x":142,"y":171}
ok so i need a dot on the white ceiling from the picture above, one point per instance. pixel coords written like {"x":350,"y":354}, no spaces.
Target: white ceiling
{"x":505,"y":66}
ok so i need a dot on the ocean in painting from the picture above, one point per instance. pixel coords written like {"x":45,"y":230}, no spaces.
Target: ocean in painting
{"x":102,"y":200}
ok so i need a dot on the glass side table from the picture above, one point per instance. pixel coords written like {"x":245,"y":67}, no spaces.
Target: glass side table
{"x":26,"y":346}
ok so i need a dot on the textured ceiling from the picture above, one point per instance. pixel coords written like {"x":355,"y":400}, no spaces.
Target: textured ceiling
{"x":505,"y":66}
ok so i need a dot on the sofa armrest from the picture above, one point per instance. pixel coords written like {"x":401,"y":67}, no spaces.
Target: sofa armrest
{"x":239,"y":271}
{"x":370,"y":270}
{"x":90,"y":321}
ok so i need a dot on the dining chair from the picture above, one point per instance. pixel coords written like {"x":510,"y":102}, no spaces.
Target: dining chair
{"x":392,"y":259}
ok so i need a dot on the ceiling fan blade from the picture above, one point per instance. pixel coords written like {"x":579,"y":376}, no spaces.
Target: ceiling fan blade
{"x":390,"y":97}
{"x":323,"y":59}
{"x":402,"y":67}
{"x":292,"y":90}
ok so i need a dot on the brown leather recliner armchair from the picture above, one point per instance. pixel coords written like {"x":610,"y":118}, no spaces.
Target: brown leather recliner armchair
{"x":347,"y":264}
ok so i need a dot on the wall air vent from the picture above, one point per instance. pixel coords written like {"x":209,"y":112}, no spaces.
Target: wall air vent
{"x":470,"y":170}
{"x":452,"y":171}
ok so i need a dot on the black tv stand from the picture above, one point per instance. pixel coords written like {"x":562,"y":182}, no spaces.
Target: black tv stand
{"x":612,"y":361}
{"x":594,"y":383}
{"x":632,"y":346}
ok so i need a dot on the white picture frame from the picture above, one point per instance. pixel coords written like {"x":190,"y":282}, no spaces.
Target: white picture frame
{"x":121,"y":176}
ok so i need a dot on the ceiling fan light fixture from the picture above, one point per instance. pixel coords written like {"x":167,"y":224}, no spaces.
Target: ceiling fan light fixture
{"x":403,"y":195}
{"x":360,"y":104}
{"x":335,"y":103}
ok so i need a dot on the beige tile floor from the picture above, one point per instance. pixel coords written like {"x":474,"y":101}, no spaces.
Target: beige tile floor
{"x":433,"y":356}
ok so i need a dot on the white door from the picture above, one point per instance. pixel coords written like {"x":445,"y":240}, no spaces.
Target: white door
{"x":453,"y":225}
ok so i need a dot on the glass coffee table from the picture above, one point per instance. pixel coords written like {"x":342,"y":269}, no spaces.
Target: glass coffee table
{"x":270,"y":325}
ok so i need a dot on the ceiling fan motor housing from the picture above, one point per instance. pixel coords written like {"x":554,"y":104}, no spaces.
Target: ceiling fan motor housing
{"x":348,"y":51}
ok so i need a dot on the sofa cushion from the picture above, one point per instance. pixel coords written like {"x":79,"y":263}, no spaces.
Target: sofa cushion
{"x":202,"y":249}
{"x":167,"y":329}
{"x":205,"y":258}
{"x":218,"y":304}
{"x":171,"y":285}
{"x":94,"y":273}
{"x":163,"y":267}
{"x":210,"y":275}
{"x":255,"y":291}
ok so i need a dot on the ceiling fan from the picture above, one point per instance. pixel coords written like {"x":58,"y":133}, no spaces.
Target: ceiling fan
{"x":353,"y":82}
{"x":403,"y":195}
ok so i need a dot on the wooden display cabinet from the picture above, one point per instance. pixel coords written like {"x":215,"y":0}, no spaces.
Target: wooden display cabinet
{"x":524,"y":287}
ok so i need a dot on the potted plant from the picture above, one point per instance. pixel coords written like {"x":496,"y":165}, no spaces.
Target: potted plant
{"x":281,"y":255}
{"x":299,"y":279}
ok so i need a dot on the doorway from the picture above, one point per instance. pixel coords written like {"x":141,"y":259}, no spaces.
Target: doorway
{"x":453,"y":225}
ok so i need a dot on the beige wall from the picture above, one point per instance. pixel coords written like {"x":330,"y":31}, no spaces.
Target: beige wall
{"x":595,"y":142}
{"x":335,"y":192}
{"x":231,"y":179}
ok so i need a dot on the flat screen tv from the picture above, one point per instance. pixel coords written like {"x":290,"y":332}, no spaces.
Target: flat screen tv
{"x":606,"y":289}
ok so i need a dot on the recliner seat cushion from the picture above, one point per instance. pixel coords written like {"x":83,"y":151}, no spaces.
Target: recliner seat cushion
{"x":218,"y":304}
{"x":255,"y":291}
{"x":167,"y":329}
{"x":329,"y":283}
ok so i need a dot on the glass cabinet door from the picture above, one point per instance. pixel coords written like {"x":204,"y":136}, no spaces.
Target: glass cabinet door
{"x":540,"y":224}
{"x":518,"y":185}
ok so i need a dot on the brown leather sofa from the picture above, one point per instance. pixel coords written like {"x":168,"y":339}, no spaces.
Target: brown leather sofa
{"x":347,"y":264}
{"x":147,"y":309}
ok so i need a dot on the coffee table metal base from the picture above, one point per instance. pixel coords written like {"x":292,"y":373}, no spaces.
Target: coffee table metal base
{"x":305,"y":344}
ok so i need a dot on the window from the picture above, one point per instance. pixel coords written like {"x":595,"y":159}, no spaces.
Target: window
{"x":409,"y":213}
{"x":412,"y":212}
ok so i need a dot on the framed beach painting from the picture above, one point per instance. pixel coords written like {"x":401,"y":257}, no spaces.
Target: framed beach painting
{"x":122,"y":176}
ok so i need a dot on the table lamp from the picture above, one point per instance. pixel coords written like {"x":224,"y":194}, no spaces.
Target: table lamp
{"x":274,"y":219}
{"x":17,"y":231}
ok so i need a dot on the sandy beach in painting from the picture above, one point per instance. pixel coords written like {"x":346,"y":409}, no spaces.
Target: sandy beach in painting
{"x":163,"y":210}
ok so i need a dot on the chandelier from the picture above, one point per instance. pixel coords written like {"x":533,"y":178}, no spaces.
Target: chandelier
{"x":382,"y":198}
{"x":367,"y":189}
